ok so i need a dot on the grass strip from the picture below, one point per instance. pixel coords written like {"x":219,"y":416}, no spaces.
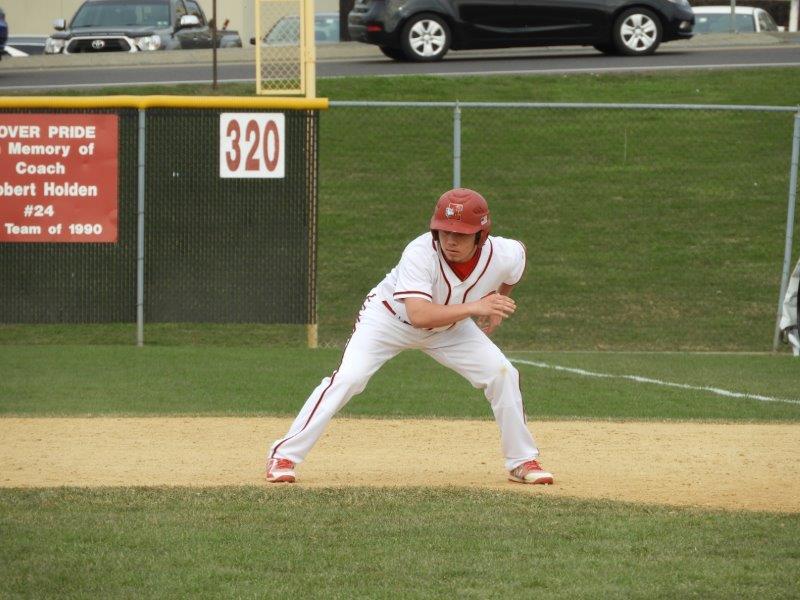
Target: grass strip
{"x":241,"y":381}
{"x":384,"y":543}
{"x":757,"y":86}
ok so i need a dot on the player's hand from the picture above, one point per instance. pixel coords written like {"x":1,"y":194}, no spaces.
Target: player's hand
{"x":488,"y":324}
{"x":495,"y":305}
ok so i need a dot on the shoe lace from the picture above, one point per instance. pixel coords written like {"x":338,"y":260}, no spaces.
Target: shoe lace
{"x":532,"y":465}
{"x":284,"y":464}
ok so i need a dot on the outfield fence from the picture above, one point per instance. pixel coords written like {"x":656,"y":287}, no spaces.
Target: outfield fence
{"x":668,"y":222}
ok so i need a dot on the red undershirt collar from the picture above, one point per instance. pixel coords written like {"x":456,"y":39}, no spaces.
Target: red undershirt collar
{"x":464,"y":269}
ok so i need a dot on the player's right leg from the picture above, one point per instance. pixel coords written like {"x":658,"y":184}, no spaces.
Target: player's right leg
{"x":469,"y":352}
{"x":376,"y":338}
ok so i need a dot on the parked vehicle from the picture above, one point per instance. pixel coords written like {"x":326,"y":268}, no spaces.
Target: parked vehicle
{"x":136,"y":25}
{"x":717,"y":19}
{"x":3,"y":33}
{"x":424,"y":30}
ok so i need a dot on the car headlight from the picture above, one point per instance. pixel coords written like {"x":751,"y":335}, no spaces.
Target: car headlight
{"x":53,"y":46}
{"x":150,"y":42}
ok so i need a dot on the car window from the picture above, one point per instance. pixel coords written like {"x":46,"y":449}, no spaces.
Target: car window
{"x":765,"y":21}
{"x":326,"y":29}
{"x":134,"y":14}
{"x":180,"y":11}
{"x":286,"y":30}
{"x":721,"y":23}
{"x":194,"y":9}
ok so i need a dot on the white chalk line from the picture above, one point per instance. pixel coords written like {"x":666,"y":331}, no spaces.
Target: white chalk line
{"x":640,"y":379}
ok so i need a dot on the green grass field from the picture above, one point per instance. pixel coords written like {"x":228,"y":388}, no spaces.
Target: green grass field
{"x":419,"y":543}
{"x":688,"y":261}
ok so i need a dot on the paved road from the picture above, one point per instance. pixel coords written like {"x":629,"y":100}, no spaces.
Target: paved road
{"x":49,"y":73}
{"x":572,"y":60}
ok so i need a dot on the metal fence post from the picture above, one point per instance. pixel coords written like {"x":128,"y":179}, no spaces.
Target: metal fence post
{"x":140,"y":234}
{"x":787,"y":252}
{"x":733,"y":26}
{"x":457,"y":146}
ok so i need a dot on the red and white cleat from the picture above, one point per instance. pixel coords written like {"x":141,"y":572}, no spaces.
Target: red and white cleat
{"x":280,"y":470}
{"x":530,"y":472}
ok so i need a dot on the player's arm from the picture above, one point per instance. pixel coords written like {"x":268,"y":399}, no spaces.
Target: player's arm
{"x":424,"y":314}
{"x":505,"y":289}
{"x":489,"y":324}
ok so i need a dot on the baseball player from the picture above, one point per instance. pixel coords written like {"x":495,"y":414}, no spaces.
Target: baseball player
{"x":446,"y":277}
{"x":790,"y":316}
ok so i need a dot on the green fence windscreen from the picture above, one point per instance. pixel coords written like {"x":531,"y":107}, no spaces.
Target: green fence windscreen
{"x":216,"y":250}
{"x":76,"y":282}
{"x":226,"y":250}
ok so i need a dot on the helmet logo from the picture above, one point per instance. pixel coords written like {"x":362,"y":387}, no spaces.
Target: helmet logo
{"x":454,"y":211}
{"x":484,"y":219}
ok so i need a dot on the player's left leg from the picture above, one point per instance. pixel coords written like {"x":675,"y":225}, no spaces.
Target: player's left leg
{"x":376,"y":338}
{"x":469,"y":352}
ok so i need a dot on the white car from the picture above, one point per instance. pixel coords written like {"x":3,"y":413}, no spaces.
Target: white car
{"x":717,"y":19}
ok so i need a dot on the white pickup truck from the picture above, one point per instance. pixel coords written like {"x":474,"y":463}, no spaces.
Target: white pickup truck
{"x":136,"y":26}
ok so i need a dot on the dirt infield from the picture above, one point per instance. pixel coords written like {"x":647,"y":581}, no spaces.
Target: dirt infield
{"x":731,"y":466}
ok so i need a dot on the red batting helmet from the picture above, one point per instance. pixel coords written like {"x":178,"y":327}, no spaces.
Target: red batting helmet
{"x":462,"y":211}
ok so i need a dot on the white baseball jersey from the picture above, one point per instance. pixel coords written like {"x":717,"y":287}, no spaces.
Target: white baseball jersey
{"x":424,"y":273}
{"x":382,"y":331}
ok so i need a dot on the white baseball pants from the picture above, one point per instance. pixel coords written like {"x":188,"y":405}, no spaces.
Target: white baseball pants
{"x":378,"y":336}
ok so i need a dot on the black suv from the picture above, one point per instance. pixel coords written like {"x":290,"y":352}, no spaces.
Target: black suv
{"x":136,"y":25}
{"x":424,"y":30}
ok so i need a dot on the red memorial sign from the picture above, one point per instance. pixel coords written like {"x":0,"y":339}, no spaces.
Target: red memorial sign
{"x":58,"y":177}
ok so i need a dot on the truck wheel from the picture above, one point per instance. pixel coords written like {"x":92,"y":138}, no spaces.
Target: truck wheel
{"x":425,"y":38}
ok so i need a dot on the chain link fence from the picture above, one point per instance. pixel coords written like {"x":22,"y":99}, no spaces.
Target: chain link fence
{"x":230,"y":250}
{"x":653,"y":227}
{"x":80,"y":282}
{"x":284,"y":52}
{"x":646,"y":226}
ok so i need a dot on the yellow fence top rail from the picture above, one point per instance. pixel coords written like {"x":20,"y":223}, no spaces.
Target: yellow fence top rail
{"x":144,"y":102}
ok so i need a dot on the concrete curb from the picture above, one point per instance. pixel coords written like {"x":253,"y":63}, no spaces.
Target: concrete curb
{"x":355,"y":51}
